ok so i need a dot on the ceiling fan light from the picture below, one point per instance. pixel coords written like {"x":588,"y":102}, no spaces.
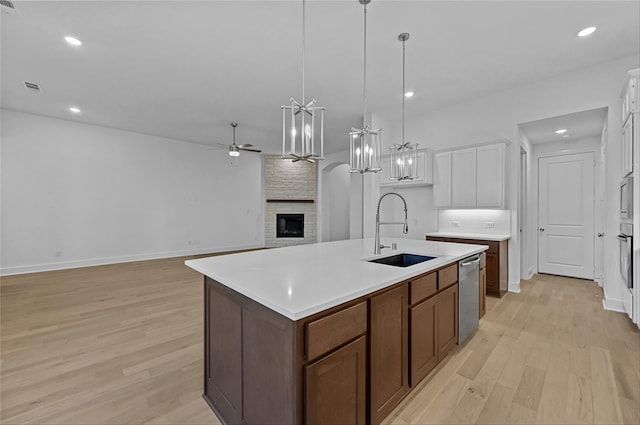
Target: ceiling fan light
{"x":234,"y":152}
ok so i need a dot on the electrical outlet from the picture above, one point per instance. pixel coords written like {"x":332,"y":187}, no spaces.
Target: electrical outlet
{"x":490,"y":224}
{"x":455,"y":223}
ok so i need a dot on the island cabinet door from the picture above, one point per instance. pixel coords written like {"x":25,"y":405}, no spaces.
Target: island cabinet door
{"x":336,"y":386}
{"x":423,"y":341}
{"x":388,"y":350}
{"x":447,"y":320}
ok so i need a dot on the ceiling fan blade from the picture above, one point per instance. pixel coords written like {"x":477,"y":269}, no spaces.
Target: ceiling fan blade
{"x":248,"y":149}
{"x":245,"y":145}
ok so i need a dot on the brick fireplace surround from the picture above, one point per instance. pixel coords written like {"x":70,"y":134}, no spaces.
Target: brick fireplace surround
{"x":290,"y":188}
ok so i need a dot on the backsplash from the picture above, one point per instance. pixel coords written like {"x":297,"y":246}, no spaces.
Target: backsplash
{"x":286,"y":184}
{"x":485,"y":222}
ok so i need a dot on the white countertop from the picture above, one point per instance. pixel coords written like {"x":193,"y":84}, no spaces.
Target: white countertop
{"x":479,"y":236}
{"x":299,"y":281}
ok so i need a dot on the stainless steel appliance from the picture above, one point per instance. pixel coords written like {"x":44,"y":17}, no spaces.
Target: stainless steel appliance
{"x":626,"y":198}
{"x":626,"y":253}
{"x":468,"y":296}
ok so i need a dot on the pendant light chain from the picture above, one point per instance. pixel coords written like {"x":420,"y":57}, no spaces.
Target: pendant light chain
{"x":364,"y":97}
{"x":300,"y":119}
{"x":403,"y":89}
{"x":304,"y":45}
{"x":404,"y":155}
{"x":364,"y":143}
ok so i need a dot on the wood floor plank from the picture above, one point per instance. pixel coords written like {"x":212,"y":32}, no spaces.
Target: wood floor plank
{"x":529,"y":390}
{"x":606,"y":405}
{"x":579,"y":400}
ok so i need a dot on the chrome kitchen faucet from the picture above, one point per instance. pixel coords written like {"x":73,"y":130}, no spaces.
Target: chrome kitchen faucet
{"x":405,"y":228}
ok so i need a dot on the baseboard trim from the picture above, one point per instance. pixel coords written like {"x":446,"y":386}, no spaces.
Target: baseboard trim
{"x":514,"y":287}
{"x":35,"y":268}
{"x":613,"y":305}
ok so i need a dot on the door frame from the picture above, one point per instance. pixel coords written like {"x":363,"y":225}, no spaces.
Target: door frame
{"x":535,"y":177}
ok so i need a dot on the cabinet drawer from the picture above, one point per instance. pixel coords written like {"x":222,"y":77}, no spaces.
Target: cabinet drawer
{"x":423,"y":287}
{"x":325,"y":334}
{"x":447,"y":276}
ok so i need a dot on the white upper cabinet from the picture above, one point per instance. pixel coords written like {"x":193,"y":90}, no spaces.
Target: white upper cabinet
{"x":490,"y":176}
{"x":425,"y":171}
{"x":442,"y":180}
{"x":630,"y":94}
{"x":630,"y":107}
{"x":471,"y":177}
{"x":463,"y":178}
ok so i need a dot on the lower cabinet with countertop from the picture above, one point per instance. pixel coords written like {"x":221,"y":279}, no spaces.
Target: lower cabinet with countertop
{"x":497,"y":260}
{"x":261,"y":367}
{"x":350,"y":363}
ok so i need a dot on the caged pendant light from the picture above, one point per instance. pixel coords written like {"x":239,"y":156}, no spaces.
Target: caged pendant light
{"x":364,"y":144}
{"x":404,"y":155}
{"x":302,"y":122}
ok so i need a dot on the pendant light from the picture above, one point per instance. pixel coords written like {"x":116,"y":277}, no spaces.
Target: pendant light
{"x":303,"y":120}
{"x":364,"y":144}
{"x":404,"y":155}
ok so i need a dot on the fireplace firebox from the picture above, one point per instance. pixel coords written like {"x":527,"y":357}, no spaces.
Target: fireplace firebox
{"x":290,"y":225}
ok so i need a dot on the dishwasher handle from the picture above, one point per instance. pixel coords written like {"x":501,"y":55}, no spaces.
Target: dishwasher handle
{"x":476,"y":260}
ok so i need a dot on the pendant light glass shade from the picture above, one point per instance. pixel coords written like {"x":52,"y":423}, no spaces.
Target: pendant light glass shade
{"x":404,"y":155}
{"x":364,"y":150}
{"x":303,"y":122}
{"x":364,"y":144}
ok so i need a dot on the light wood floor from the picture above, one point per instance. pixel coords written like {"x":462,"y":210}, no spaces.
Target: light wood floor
{"x":122,"y":344}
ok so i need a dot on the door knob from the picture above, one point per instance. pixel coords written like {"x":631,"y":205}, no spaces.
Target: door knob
{"x":541,"y":229}
{"x":600,"y":235}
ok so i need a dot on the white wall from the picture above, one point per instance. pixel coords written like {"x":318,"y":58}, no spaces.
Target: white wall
{"x":337,"y":203}
{"x":76,"y":194}
{"x":497,"y":116}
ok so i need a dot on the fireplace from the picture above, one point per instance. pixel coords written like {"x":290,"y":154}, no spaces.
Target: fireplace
{"x":290,"y":225}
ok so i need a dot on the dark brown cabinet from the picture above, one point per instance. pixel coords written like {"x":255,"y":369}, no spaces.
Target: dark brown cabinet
{"x":423,"y":338}
{"x":483,"y":292}
{"x":388,"y":351}
{"x":447,"y":320}
{"x":336,"y":386}
{"x":350,"y":364}
{"x":497,"y":262}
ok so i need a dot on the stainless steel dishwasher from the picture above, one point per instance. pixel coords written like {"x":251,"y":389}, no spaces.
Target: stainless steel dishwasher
{"x":468,"y":296}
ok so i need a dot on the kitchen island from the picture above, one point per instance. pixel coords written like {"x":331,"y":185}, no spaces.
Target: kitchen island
{"x":317,"y":334}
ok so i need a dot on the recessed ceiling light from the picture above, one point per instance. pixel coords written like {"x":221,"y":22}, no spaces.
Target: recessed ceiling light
{"x":74,"y":109}
{"x":587,"y":31}
{"x":73,"y":41}
{"x":408,"y":94}
{"x":561,"y":131}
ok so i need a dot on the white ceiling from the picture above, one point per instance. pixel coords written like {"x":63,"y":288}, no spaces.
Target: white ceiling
{"x":185,"y":69}
{"x":579,"y":125}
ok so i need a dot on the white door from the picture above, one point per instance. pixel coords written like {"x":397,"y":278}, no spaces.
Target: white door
{"x":566,"y":215}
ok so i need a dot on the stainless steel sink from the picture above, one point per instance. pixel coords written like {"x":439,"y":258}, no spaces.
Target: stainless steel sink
{"x":402,"y":260}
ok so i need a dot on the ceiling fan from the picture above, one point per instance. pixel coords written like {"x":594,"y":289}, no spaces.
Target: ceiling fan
{"x":234,"y":150}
